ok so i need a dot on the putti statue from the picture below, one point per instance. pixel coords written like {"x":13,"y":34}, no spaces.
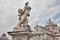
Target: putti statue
{"x":23,"y":30}
{"x":23,"y":17}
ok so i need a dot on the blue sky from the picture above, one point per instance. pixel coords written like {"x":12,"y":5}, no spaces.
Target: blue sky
{"x":41,"y":12}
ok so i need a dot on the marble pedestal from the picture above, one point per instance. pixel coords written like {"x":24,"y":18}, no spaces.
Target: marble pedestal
{"x":20,"y":35}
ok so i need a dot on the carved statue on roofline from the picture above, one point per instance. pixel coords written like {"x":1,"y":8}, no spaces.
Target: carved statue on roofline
{"x":23,"y":16}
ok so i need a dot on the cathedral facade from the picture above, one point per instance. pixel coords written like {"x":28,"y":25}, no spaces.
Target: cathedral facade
{"x":49,"y":32}
{"x":23,"y":31}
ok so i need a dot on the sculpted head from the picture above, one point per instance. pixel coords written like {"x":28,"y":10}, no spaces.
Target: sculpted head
{"x":28,"y":8}
{"x":20,"y":11}
{"x":26,"y":3}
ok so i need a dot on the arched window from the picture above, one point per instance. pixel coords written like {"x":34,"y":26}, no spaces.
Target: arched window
{"x":59,"y":30}
{"x":57,"y":38}
{"x":45,"y":37}
{"x":37,"y":29}
{"x":18,"y":39}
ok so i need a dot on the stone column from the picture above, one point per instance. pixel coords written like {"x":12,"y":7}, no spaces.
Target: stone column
{"x":41,"y":37}
{"x":54,"y":38}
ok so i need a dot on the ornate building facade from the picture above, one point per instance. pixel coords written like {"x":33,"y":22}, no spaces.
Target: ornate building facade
{"x":23,"y":31}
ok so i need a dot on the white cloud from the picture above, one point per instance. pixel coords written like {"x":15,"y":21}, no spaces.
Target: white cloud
{"x":43,"y":10}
